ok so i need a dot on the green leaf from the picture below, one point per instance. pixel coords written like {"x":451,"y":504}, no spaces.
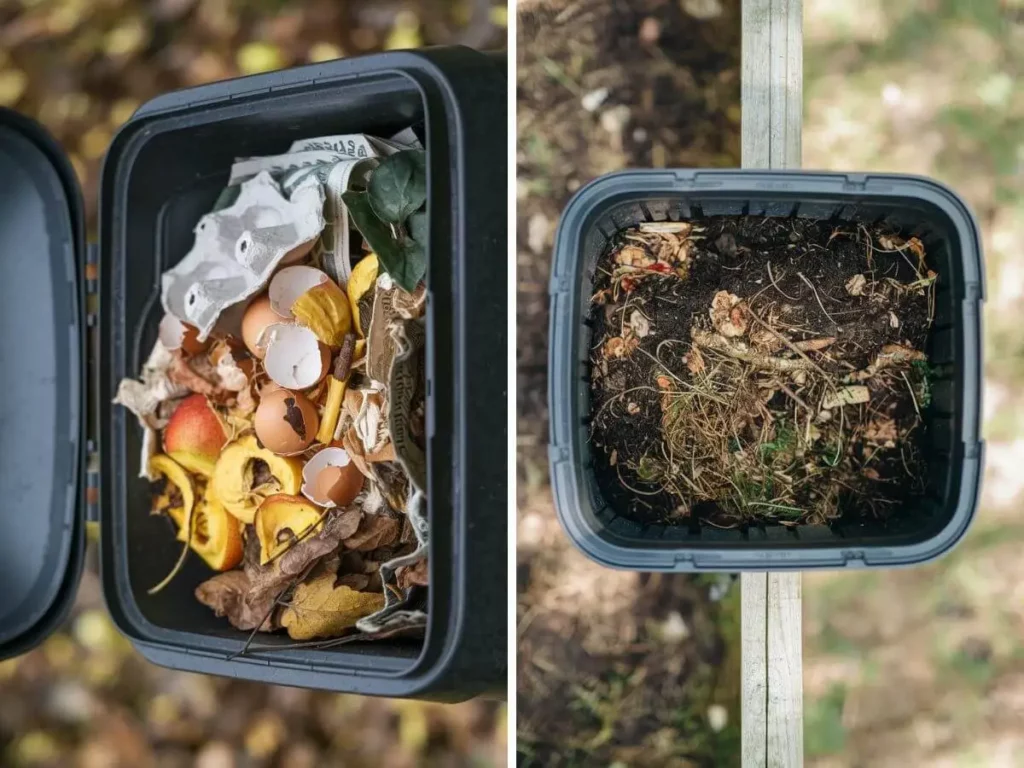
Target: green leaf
{"x":405,"y":261}
{"x":398,"y":186}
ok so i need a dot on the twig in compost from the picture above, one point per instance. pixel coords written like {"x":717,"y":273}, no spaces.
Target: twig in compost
{"x":637,"y":491}
{"x":719,"y":343}
{"x":791,"y":345}
{"x":817,"y":298}
{"x":774,"y":506}
{"x":775,"y":283}
{"x":910,"y":389}
{"x":815,"y":345}
{"x":799,"y":400}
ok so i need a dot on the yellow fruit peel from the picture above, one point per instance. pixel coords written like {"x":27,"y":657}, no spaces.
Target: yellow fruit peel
{"x":325,"y":311}
{"x":362,"y":279}
{"x":332,"y":410}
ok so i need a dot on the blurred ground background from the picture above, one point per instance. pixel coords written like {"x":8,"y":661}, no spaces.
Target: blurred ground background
{"x":85,"y":699}
{"x":926,"y":666}
{"x":910,"y":667}
{"x":615,"y":668}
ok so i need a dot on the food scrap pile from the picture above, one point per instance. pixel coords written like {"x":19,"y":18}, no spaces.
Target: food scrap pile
{"x":283,"y":404}
{"x":749,"y":370}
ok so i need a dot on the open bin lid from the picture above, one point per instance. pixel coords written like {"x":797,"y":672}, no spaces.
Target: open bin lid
{"x":42,"y":409}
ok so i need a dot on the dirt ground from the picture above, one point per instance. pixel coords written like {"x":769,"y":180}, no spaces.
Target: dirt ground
{"x":85,"y":698}
{"x":615,"y":668}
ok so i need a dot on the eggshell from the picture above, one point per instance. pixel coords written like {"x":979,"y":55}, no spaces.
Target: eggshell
{"x":289,"y":284}
{"x":295,"y":358}
{"x":331,"y":479}
{"x":175,"y":334}
{"x":286,"y":422}
{"x":258,"y":318}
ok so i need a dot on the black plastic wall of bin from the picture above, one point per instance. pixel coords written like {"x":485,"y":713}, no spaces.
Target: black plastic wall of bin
{"x":913,"y":205}
{"x":163,"y":171}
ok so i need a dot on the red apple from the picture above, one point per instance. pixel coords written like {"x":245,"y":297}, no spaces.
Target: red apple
{"x":195,"y":435}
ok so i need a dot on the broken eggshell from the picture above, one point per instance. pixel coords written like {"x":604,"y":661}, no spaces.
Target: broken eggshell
{"x":295,"y":358}
{"x":175,"y":335}
{"x":331,"y":479}
{"x":238,"y":248}
{"x":258,"y":317}
{"x":313,"y":300}
{"x":289,"y":284}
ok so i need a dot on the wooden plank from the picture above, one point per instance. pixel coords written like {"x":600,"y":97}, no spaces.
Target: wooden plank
{"x":754,"y":681}
{"x":772,"y":684}
{"x":785,"y":670}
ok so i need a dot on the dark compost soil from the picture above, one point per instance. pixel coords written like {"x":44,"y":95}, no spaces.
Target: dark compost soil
{"x":742,"y":428}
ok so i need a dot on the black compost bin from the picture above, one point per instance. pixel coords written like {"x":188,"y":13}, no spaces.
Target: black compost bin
{"x":915,"y":206}
{"x":62,"y":442}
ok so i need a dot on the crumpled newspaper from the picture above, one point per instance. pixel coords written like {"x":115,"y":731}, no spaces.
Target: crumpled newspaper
{"x":238,"y":248}
{"x":144,"y":397}
{"x":405,"y":387}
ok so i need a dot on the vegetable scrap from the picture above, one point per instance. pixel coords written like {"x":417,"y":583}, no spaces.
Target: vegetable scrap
{"x":283,"y":404}
{"x":747,"y":370}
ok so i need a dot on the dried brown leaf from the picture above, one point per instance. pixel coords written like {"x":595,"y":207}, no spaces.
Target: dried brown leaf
{"x":375,"y":531}
{"x":319,"y":609}
{"x":418,"y":575}
{"x":356,"y":581}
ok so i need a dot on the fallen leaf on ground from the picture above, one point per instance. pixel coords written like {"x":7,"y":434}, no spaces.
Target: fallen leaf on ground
{"x":728,"y":314}
{"x":855,"y":285}
{"x":894,"y":322}
{"x":847,"y":396}
{"x":319,"y":609}
{"x":633,"y":409}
